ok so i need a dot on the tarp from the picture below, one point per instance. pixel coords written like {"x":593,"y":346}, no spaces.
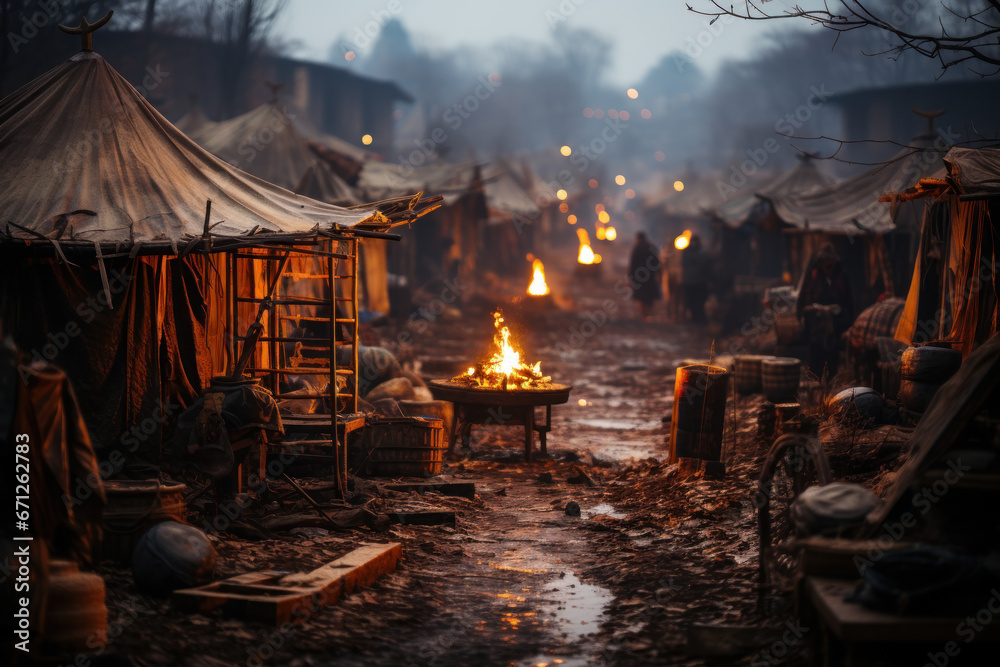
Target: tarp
{"x":265,"y":142}
{"x":85,"y":158}
{"x":974,"y":171}
{"x":506,"y":193}
{"x":320,"y":183}
{"x":194,"y":121}
{"x":379,"y":180}
{"x":852,"y":207}
{"x":803,"y":178}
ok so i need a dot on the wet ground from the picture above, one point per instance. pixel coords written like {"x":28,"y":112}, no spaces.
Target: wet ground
{"x":519,"y":580}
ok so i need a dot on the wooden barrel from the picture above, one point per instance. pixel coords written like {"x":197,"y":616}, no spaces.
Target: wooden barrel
{"x":746,"y":372}
{"x":780,"y":378}
{"x":76,"y":618}
{"x":134,"y":506}
{"x":699,"y":412}
{"x":787,"y":328}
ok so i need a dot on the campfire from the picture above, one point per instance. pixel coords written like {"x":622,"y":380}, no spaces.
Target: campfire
{"x":538,"y":287}
{"x":586,"y":254}
{"x":504,"y":369}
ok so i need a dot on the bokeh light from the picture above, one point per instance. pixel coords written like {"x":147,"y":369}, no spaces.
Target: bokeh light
{"x":632,"y":93}
{"x":367,"y":140}
{"x":679,"y":186}
{"x":566,"y":150}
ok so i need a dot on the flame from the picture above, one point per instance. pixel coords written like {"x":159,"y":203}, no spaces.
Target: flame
{"x":586,"y":255}
{"x":538,"y":286}
{"x":683,"y":240}
{"x":504,"y":369}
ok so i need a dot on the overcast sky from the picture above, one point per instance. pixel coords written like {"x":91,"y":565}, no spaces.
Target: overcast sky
{"x":642,"y":31}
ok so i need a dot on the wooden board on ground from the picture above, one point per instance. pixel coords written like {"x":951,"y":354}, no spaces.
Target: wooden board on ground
{"x":460,"y":489}
{"x":277,"y":597}
{"x":854,"y":623}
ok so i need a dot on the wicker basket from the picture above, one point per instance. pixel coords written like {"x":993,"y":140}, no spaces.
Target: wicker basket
{"x":403,"y":447}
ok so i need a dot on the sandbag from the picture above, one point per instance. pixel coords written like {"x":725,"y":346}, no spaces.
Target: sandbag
{"x":857,"y":405}
{"x":400,"y":389}
{"x":930,"y":364}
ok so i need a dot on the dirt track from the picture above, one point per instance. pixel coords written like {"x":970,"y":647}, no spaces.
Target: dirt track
{"x":517,"y":581}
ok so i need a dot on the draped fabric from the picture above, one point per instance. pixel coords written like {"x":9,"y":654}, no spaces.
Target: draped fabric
{"x":134,"y":363}
{"x":953,"y":294}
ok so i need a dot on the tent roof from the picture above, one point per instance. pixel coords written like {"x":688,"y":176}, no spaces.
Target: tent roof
{"x":264,"y":142}
{"x":803,"y":178}
{"x":507,"y":191}
{"x":852,"y":206}
{"x":381,"y":180}
{"x":85,"y":159}
{"x":320,"y":183}
{"x":974,"y":172}
{"x":194,"y":121}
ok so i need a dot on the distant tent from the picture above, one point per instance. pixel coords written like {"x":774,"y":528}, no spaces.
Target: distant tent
{"x":320,"y":183}
{"x":803,"y":178}
{"x":849,"y":211}
{"x":513,"y":215}
{"x":194,"y":120}
{"x":136,"y":310}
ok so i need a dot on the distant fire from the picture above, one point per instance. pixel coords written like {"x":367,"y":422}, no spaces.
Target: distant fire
{"x":683,"y":240}
{"x":586,"y":255}
{"x":504,"y":369}
{"x":538,"y":286}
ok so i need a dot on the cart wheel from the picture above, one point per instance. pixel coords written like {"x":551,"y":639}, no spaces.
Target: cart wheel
{"x":795,"y":462}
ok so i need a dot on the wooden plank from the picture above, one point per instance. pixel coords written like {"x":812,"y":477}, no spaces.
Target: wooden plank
{"x":853,"y":623}
{"x":277,"y":597}
{"x":459,"y":489}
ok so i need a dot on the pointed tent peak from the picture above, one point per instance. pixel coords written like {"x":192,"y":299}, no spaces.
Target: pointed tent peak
{"x":86,"y":30}
{"x":276,"y":88}
{"x":926,"y":138}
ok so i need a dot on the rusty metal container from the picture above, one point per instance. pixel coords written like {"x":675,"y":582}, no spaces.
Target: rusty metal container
{"x":699,"y":412}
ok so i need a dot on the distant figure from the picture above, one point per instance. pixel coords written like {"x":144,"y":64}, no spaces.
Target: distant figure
{"x":696,"y":276}
{"x":644,"y":275}
{"x":826,"y":308}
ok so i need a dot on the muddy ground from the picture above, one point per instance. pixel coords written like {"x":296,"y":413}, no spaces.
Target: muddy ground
{"x":517,"y":581}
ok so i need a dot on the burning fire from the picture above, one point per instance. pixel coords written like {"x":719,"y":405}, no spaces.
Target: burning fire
{"x":683,"y":240}
{"x":586,"y":255}
{"x":504,"y":370}
{"x":538,"y":286}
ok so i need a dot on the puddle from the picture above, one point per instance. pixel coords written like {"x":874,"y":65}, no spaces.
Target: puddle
{"x":604,"y":509}
{"x":578,"y":611}
{"x":620,"y":424}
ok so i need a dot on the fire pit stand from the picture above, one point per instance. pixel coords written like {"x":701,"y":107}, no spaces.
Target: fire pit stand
{"x":512,"y":407}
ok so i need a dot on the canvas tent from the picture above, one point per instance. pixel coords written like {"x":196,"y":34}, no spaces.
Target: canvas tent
{"x":953,"y":293}
{"x":111,"y":255}
{"x":513,"y":214}
{"x":267,"y":142}
{"x":849,"y":211}
{"x":747,"y":222}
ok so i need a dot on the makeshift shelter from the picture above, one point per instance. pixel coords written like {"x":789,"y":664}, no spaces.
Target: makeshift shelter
{"x":448,"y":242}
{"x":510,"y":231}
{"x":746,"y":221}
{"x":953,"y":293}
{"x":119,"y":243}
{"x":265,"y":142}
{"x":849,"y":211}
